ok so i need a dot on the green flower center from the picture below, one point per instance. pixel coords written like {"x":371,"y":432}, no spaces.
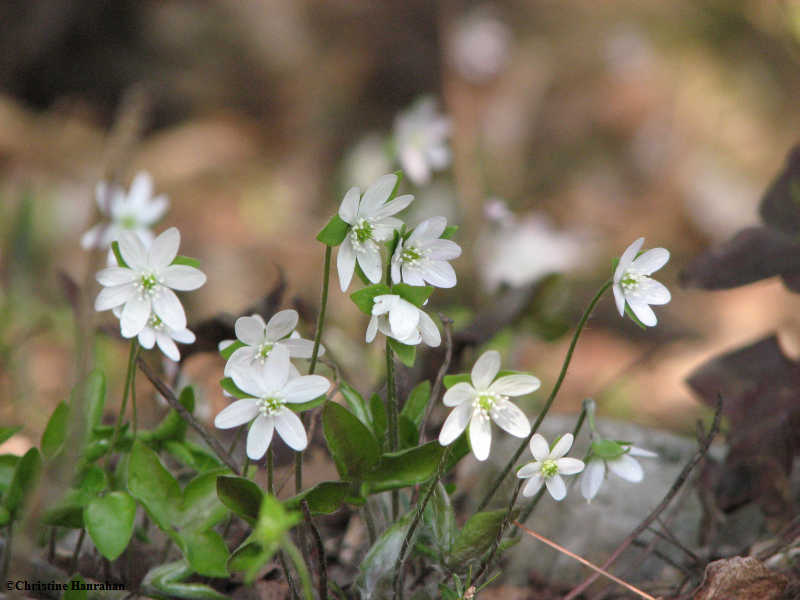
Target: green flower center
{"x":632,"y":280}
{"x":148,"y":283}
{"x":155,"y":322}
{"x":549,"y":468}
{"x":128,"y":222}
{"x":362,"y":231}
{"x":485,"y":402}
{"x":269,"y":406}
{"x":264,"y":350}
{"x":411,"y":255}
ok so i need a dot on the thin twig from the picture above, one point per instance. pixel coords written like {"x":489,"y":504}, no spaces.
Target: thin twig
{"x":323,"y":569}
{"x":447,"y":323}
{"x":77,"y":552}
{"x":681,"y":479}
{"x":288,"y":575}
{"x":583,"y":561}
{"x":170,"y":397}
{"x":500,"y":532}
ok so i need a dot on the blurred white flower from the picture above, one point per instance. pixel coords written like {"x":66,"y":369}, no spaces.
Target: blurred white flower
{"x":145,"y":286}
{"x":549,"y":466}
{"x":370,"y":219}
{"x":423,"y":256}
{"x":480,"y":46}
{"x":420,"y":135}
{"x":272,"y":389}
{"x":624,"y":466}
{"x":399,"y":319}
{"x":484,"y":399}
{"x":367,"y":160}
{"x":136,"y":211}
{"x":157,"y":332}
{"x":632,"y":282}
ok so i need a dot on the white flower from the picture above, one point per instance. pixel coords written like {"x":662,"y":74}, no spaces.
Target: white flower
{"x":260,"y":338}
{"x":479,"y":47}
{"x":136,"y":211}
{"x":419,"y":137}
{"x":272,"y":389}
{"x":632,"y":282}
{"x":484,"y":399}
{"x":549,"y":466}
{"x":156,"y":332}
{"x":145,"y":285}
{"x":624,"y":466}
{"x":423,"y":256}
{"x":370,"y":219}
{"x":399,"y":319}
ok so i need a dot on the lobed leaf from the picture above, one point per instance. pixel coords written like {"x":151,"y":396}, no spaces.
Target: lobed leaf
{"x":354,"y":449}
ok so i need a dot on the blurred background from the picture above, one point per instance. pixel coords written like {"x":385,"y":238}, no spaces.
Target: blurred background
{"x":574,"y":129}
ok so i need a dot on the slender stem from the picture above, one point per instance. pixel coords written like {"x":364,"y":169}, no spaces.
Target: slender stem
{"x":288,"y":575}
{"x":500,"y":532}
{"x":270,"y":472}
{"x":51,"y":546}
{"x":437,"y":384}
{"x":323,"y":304}
{"x":373,"y":534}
{"x":585,"y":317}
{"x":133,"y":394}
{"x":7,"y":550}
{"x":392,"y":412}
{"x":323,"y":569}
{"x":77,"y":552}
{"x":129,"y":375}
{"x":300,"y":566}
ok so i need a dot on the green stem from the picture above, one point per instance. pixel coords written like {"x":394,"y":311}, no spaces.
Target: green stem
{"x":7,"y":550}
{"x":288,"y":575}
{"x":125,"y":393}
{"x":133,"y":394}
{"x":392,"y":412}
{"x":500,"y":532}
{"x":300,"y":566}
{"x":77,"y":552}
{"x":373,"y":535}
{"x":585,"y":317}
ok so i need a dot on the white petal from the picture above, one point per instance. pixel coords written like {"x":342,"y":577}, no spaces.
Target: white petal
{"x":480,"y":437}
{"x":250,"y":330}
{"x":281,"y":324}
{"x":511,"y":419}
{"x":439,"y":157}
{"x":376,"y":195}
{"x":627,"y":258}
{"x":443,"y":249}
{"x":168,"y":347}
{"x":396,"y":262}
{"x":147,"y":338}
{"x":592,"y":478}
{"x":626,"y":467}
{"x":404,"y":318}
{"x":539,"y":447}
{"x":533,"y":485}
{"x":485,"y":369}
{"x":291,"y":429}
{"x":93,"y":237}
{"x":428,"y":330}
{"x":241,"y":356}
{"x":556,"y":487}
{"x":643,"y":312}
{"x":132,"y":250}
{"x":345,"y":264}
{"x":348,"y":209}
{"x":440,"y":274}
{"x":305,"y":388}
{"x":652,"y":260}
{"x":111,"y":276}
{"x":240,"y":412}
{"x":619,"y":299}
{"x":153,"y":211}
{"x":569,"y":466}
{"x":414,"y":165}
{"x":183,"y":277}
{"x":413,"y":275}
{"x":248,"y":378}
{"x":275,"y":372}
{"x":301,"y":348}
{"x":428,"y":230}
{"x":458,"y":394}
{"x":372,"y":329}
{"x":260,"y":436}
{"x":384,"y":303}
{"x":529,"y":470}
{"x":394,"y":206}
{"x":636,"y":451}
{"x":109,"y":297}
{"x":164,"y":249}
{"x":384,"y":228}
{"x":515,"y":385}
{"x":141,"y":189}
{"x":455,"y":424}
{"x":184,"y":336}
{"x":653,"y":292}
{"x":169,"y":309}
{"x":370,"y":262}
{"x":562,"y":446}
{"x":134,"y":316}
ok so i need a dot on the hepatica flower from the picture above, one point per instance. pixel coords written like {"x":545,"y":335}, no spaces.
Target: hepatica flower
{"x":483,"y":400}
{"x":549,"y":466}
{"x":145,"y":287}
{"x":420,"y":135}
{"x":423,"y":256}
{"x":136,"y":211}
{"x":259,"y":338}
{"x":623,"y":465}
{"x":633,"y":285}
{"x":397,"y":318}
{"x":158,"y":333}
{"x":271,"y":389}
{"x":371,"y":222}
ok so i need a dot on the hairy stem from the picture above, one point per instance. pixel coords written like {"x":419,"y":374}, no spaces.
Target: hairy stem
{"x":129,"y":375}
{"x":300,"y":566}
{"x":392,"y":412}
{"x":323,"y":568}
{"x":567,"y":359}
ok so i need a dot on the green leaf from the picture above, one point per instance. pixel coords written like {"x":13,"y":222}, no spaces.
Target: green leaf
{"x":202,"y":459}
{"x":303,"y":406}
{"x":94,"y":391}
{"x":7,"y":432}
{"x":205,"y":551}
{"x":8,"y":462}
{"x":356,"y":403}
{"x":202,"y":508}
{"x":354,"y":449}
{"x":24,"y":480}
{"x":172,"y":426}
{"x":417,"y":401}
{"x":377,"y":410}
{"x":152,"y":485}
{"x":458,"y":450}
{"x":228,"y":351}
{"x":186,"y":260}
{"x":166,"y":580}
{"x":404,"y":352}
{"x":241,"y":495}
{"x":334,"y":232}
{"x":325,"y":497}
{"x":229,"y":386}
{"x":56,"y":431}
{"x":76,"y":590}
{"x":365,"y":297}
{"x":273,"y":522}
{"x":404,"y":468}
{"x":449,"y":232}
{"x":5,"y":516}
{"x":607,"y":449}
{"x":416,"y":294}
{"x":118,"y":255}
{"x":375,"y":573}
{"x":250,"y":557}
{"x":408,"y":433}
{"x":440,"y":519}
{"x":451,"y":380}
{"x":68,"y":512}
{"x":477,"y":536}
{"x":109,"y":522}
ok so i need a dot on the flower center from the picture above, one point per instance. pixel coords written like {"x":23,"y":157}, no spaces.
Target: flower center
{"x":155,"y":323}
{"x":269,"y":406}
{"x":362,"y":231}
{"x":549,"y":468}
{"x":411,"y":255}
{"x":631,"y":281}
{"x":128,"y":222}
{"x":264,"y":350}
{"x":484,"y":403}
{"x":148,"y":284}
